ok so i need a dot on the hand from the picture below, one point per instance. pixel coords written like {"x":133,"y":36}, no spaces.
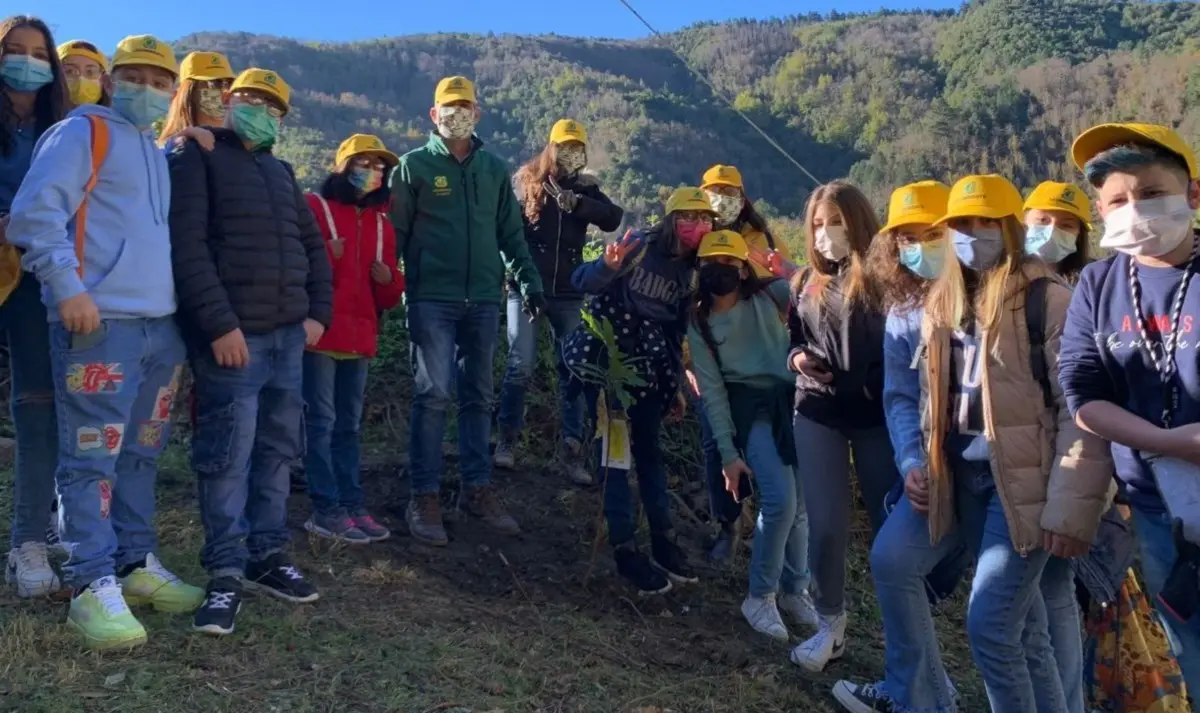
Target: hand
{"x":1063,"y":545}
{"x":772,"y":261}
{"x":337,"y":247}
{"x":380,"y":273}
{"x":200,"y":135}
{"x":567,"y":200}
{"x":4,"y":230}
{"x":733,"y":477}
{"x":678,"y":408}
{"x":812,"y":368}
{"x":916,"y":489}
{"x":79,"y":314}
{"x":231,"y":351}
{"x":691,"y":379}
{"x":1184,"y":442}
{"x":614,"y":254}
{"x":534,"y":305}
{"x":313,"y":331}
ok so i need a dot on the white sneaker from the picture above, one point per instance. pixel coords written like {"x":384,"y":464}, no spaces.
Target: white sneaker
{"x":801,"y":608}
{"x":763,"y":615}
{"x":29,"y":568}
{"x":828,"y":645}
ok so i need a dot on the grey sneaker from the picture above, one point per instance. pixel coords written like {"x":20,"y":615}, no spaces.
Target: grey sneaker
{"x":573,"y":463}
{"x":424,"y":519}
{"x":504,"y":456}
{"x":483,"y":503}
{"x":338,"y":526}
{"x":371,"y":528}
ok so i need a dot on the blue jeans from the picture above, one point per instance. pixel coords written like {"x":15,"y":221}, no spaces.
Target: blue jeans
{"x":23,"y":319}
{"x":113,"y":391}
{"x":1157,"y":549}
{"x":723,"y":508}
{"x":780,"y":559}
{"x":620,"y":510}
{"x":1065,"y":634}
{"x":333,"y":398}
{"x":249,"y":428}
{"x":563,"y":316}
{"x":445,"y":335}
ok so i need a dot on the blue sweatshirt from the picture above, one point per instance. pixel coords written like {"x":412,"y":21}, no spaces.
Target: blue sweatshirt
{"x":652,"y":283}
{"x":127,"y":251}
{"x":902,"y":387}
{"x":1103,"y":358}
{"x":15,"y":164}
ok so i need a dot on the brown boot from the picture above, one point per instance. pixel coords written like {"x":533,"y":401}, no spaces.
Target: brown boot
{"x":483,"y":503}
{"x":424,"y":518}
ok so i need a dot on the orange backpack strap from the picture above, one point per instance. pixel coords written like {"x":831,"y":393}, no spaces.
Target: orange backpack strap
{"x":99,"y":150}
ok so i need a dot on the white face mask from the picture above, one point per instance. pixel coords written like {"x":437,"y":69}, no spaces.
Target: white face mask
{"x":1150,"y":228}
{"x":455,"y":122}
{"x":832,"y":243}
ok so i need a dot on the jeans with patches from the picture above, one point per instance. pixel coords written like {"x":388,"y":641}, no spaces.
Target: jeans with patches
{"x":113,"y":391}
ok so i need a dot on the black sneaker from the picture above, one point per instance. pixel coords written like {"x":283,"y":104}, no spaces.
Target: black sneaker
{"x":222,"y":602}
{"x":670,"y":560}
{"x":635,"y":567}
{"x":863,"y":697}
{"x":279,"y":577}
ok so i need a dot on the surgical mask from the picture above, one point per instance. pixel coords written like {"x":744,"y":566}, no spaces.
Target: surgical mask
{"x":1048,"y":242}
{"x":718,"y":278}
{"x":831,"y":243}
{"x":727,"y":208}
{"x":924,"y":260}
{"x":365,"y":180}
{"x":255,"y":125}
{"x":690,"y":233}
{"x":981,"y":251}
{"x":571,"y":159}
{"x":211,"y":103}
{"x":24,"y":73}
{"x":1150,"y":228}
{"x":455,"y":122}
{"x":140,"y":104}
{"x":84,"y":91}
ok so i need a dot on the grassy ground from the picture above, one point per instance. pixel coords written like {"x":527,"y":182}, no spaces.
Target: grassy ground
{"x":484,"y":625}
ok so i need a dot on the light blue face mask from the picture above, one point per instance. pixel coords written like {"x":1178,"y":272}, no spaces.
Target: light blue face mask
{"x":981,"y":251}
{"x":1048,"y":242}
{"x":925,"y":260}
{"x":140,"y":104}
{"x":24,"y":73}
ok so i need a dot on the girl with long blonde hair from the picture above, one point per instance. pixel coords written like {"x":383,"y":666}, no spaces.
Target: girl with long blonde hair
{"x":199,"y":104}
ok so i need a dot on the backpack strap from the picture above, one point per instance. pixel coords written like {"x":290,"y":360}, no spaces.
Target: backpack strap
{"x":378,"y":236}
{"x":1035,"y":322}
{"x":99,"y":145}
{"x":328,"y":215}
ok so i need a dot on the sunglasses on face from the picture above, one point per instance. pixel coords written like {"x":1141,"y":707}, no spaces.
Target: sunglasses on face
{"x":273,"y":109}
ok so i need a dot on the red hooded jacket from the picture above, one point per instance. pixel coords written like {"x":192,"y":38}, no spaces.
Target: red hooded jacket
{"x":367,"y":236}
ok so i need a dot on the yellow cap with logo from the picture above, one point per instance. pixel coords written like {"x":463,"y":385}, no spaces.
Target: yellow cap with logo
{"x":206,"y":67}
{"x":1052,"y":195}
{"x":363,"y":144}
{"x":920,"y":203}
{"x":454,"y":89}
{"x":689,"y":198}
{"x":145,"y":51}
{"x":82,"y":48}
{"x":568,"y":130}
{"x":989,"y":196}
{"x":267,"y":82}
{"x":724,"y":242}
{"x":722,"y":176}
{"x":1103,"y":137}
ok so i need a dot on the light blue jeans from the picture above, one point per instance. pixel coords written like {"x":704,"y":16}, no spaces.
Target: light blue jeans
{"x":780,"y":559}
{"x":564,"y":317}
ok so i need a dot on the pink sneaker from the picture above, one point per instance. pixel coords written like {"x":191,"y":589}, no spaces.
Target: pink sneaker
{"x":368,"y":526}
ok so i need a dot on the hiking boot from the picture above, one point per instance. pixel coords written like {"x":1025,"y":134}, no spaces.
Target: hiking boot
{"x":154,"y":584}
{"x":504,"y":456}
{"x":337,"y":526}
{"x":722,"y":549}
{"x":763,"y":616}
{"x":573,"y":462}
{"x":278,"y":576}
{"x":801,"y":608}
{"x":483,"y":502}
{"x":863,"y":697}
{"x":669,"y":558}
{"x":100,"y":613}
{"x":222,"y":602}
{"x":424,"y":518}
{"x":636,"y":568}
{"x":827,"y":645}
{"x":369,"y":527}
{"x":29,"y":569}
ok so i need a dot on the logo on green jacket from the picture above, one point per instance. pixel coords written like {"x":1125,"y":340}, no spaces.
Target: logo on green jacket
{"x":441,"y":186}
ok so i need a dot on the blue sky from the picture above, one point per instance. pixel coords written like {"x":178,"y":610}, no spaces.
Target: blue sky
{"x":106,"y":22}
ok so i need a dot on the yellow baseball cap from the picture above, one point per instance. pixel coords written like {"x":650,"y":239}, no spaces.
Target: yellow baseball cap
{"x":1103,"y":137}
{"x":724,"y":242}
{"x":920,"y":203}
{"x":147,"y":51}
{"x":454,"y":89}
{"x":82,"y":48}
{"x":989,"y":196}
{"x":568,"y":130}
{"x":206,"y":67}
{"x":1051,"y":195}
{"x":363,"y":144}
{"x":722,"y":176}
{"x":689,"y":198}
{"x":267,"y":82}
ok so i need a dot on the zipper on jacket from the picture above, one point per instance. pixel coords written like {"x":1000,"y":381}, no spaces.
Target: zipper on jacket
{"x":557,"y":247}
{"x":467,"y":209}
{"x":358,"y":211}
{"x":1011,"y":517}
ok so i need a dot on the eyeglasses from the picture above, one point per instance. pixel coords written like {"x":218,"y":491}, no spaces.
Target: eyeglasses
{"x":273,"y":108}
{"x":368,"y":162}
{"x":92,"y":71}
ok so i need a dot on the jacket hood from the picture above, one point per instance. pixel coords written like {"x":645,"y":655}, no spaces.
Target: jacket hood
{"x":105,"y":112}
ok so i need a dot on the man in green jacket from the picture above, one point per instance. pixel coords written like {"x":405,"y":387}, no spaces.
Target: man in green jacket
{"x":458,"y":227}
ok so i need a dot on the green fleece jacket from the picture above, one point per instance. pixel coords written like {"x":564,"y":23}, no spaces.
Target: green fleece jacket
{"x":458,"y":226}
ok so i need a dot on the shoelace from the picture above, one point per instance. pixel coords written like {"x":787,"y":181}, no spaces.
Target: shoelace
{"x":291,"y":572}
{"x":32,"y":555}
{"x":367,"y":520}
{"x":108,"y":592}
{"x":218,"y":599}
{"x":153,"y":566}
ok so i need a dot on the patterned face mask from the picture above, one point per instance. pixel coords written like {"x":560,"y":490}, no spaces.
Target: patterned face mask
{"x":571,"y":158}
{"x":455,"y":122}
{"x":728,"y":208}
{"x":210,"y":103}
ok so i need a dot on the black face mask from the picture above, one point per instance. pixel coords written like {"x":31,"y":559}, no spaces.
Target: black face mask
{"x":719,"y":279}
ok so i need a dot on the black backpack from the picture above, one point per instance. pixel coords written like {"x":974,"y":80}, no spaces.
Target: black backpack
{"x":1035,"y":322}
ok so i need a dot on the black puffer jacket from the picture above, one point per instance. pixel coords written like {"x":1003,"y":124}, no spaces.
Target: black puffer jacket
{"x":556,"y":239}
{"x":246,"y":250}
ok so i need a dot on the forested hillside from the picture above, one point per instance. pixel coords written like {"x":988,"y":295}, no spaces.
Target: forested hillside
{"x":886,"y":98}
